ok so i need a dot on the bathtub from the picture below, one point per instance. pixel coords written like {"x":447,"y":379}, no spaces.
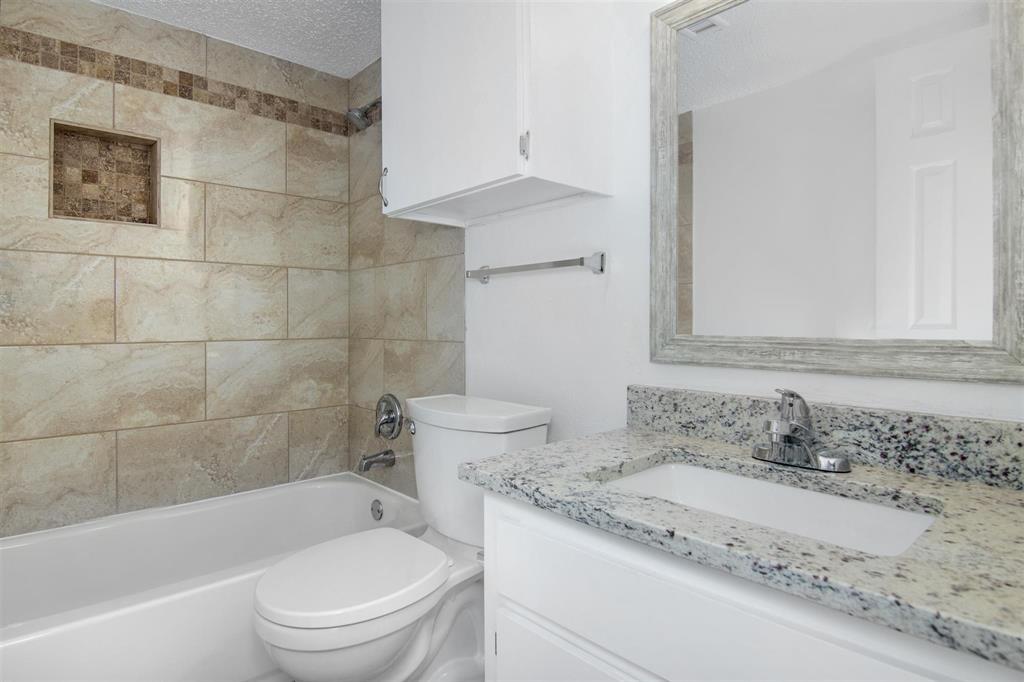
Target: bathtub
{"x":166,"y":594}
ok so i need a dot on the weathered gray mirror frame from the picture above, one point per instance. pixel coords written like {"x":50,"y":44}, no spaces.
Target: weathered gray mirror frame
{"x":1000,"y":361}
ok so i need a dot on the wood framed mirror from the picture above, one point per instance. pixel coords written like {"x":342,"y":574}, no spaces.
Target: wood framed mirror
{"x":929,"y":306}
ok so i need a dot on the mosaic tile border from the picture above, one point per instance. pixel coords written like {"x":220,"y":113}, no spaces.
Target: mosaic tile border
{"x":38,"y":50}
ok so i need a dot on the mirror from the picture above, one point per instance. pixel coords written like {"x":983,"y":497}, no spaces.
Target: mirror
{"x":827,"y":179}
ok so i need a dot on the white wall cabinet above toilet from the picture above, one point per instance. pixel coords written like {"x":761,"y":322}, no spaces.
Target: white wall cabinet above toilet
{"x":493,"y":107}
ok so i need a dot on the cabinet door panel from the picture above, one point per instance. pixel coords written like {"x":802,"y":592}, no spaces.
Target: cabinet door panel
{"x":528,"y":651}
{"x":451,"y":79}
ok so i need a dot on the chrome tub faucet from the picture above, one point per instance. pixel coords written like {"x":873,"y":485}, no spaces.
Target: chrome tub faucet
{"x":791,"y":439}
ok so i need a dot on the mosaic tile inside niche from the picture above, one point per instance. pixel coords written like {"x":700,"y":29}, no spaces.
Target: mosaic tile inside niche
{"x":102,"y":177}
{"x":38,"y":50}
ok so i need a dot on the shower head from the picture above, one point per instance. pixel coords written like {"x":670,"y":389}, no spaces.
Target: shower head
{"x":357,"y":119}
{"x":363,"y":117}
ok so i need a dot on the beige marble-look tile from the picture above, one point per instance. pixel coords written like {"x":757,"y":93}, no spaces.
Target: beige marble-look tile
{"x":257,"y":377}
{"x":160,"y":300}
{"x":106,"y":28}
{"x":446,"y":298}
{"x":418,"y":368}
{"x":55,"y":298}
{"x":366,"y":234}
{"x":317,"y":164}
{"x":389,"y":302}
{"x":25,"y":224}
{"x":364,"y":87}
{"x":258,"y":71}
{"x":364,"y":166}
{"x":375,"y":240}
{"x":32,"y":95}
{"x":61,"y":390}
{"x":317,"y":442}
{"x":244,"y":226}
{"x":317,"y":304}
{"x":365,"y":372}
{"x":165,"y":465}
{"x":55,"y":481}
{"x":409,"y":240}
{"x":204,"y":142}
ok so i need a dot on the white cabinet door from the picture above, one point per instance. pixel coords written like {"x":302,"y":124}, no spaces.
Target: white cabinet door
{"x":452,"y":84}
{"x":527,"y":651}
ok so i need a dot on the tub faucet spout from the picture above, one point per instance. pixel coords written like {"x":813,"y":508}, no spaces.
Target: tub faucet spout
{"x":385,"y":458}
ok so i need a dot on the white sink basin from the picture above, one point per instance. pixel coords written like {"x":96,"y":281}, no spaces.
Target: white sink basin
{"x":848,"y":523}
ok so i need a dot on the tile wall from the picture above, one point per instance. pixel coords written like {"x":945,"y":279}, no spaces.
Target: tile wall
{"x":244,"y":340}
{"x":145,"y":365}
{"x":406,"y":305}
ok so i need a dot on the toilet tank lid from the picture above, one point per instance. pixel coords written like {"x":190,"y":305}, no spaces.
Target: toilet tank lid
{"x":467,"y":413}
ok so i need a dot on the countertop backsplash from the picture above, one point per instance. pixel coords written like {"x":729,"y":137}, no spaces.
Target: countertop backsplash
{"x":957,"y":448}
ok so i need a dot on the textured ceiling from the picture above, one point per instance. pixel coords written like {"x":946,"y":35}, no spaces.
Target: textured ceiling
{"x":337,"y":36}
{"x":771,"y":42}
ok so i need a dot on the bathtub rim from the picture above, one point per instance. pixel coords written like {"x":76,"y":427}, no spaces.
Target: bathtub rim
{"x":169,"y":510}
{"x":81,"y":616}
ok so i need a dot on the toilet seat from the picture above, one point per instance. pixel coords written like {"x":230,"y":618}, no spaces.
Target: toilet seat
{"x":351,"y":579}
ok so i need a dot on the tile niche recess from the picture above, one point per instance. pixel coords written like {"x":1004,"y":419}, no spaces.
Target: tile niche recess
{"x":99,"y":174}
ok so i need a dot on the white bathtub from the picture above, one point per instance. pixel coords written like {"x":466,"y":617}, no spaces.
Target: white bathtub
{"x":166,"y":594}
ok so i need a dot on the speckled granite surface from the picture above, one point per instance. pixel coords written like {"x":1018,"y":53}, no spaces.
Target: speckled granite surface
{"x":961,"y":584}
{"x":957,"y":448}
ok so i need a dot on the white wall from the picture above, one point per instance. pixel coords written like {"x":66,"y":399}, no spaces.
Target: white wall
{"x":573,"y":341}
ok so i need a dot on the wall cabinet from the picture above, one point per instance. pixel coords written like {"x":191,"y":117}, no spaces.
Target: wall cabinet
{"x":493,"y":108}
{"x":568,"y":602}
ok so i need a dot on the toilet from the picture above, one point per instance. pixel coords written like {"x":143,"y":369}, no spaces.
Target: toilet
{"x":383,"y":604}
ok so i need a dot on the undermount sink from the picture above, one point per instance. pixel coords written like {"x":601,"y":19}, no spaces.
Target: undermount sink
{"x":853,"y":524}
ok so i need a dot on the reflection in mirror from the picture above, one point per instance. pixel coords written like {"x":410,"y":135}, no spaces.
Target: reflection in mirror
{"x":835,"y":171}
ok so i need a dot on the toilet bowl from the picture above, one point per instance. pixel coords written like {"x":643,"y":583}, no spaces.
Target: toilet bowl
{"x":382,"y":604}
{"x":376,"y":605}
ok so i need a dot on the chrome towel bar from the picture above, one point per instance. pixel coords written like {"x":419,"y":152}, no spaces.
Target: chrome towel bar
{"x":596,"y":263}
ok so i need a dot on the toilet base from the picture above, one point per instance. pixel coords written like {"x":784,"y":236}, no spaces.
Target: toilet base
{"x":444,"y":644}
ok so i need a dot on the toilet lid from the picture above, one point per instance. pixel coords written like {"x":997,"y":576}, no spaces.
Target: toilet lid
{"x":350,"y":579}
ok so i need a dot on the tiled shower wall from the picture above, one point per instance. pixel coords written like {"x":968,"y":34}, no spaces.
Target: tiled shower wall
{"x":407,"y":312}
{"x":145,"y":365}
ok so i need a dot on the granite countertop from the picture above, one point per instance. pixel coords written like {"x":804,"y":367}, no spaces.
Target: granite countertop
{"x":961,"y":584}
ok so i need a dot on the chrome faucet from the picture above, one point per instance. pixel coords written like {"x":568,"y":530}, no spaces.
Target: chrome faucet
{"x":384,"y":458}
{"x":791,"y":439}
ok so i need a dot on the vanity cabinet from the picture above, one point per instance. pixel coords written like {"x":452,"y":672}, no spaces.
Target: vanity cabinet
{"x":567,"y":602}
{"x":493,"y":107}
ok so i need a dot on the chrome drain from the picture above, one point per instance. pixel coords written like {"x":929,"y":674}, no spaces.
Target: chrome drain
{"x":377,"y":510}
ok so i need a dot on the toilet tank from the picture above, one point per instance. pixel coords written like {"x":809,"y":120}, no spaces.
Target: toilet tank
{"x":451,"y":429}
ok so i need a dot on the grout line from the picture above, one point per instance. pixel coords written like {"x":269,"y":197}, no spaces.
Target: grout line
{"x":206,"y":220}
{"x":115,"y":299}
{"x":173,"y":260}
{"x":262,"y":191}
{"x":206,"y":381}
{"x":276,"y":339}
{"x":117,"y":473}
{"x":161,"y":425}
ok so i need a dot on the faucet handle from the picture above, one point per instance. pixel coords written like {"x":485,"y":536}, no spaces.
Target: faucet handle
{"x":792,"y":407}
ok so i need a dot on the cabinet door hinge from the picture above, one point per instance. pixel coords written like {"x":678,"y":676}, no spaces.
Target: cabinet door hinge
{"x":524,"y":145}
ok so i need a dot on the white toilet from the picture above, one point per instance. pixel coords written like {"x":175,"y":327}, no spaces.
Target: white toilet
{"x":382,"y":604}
